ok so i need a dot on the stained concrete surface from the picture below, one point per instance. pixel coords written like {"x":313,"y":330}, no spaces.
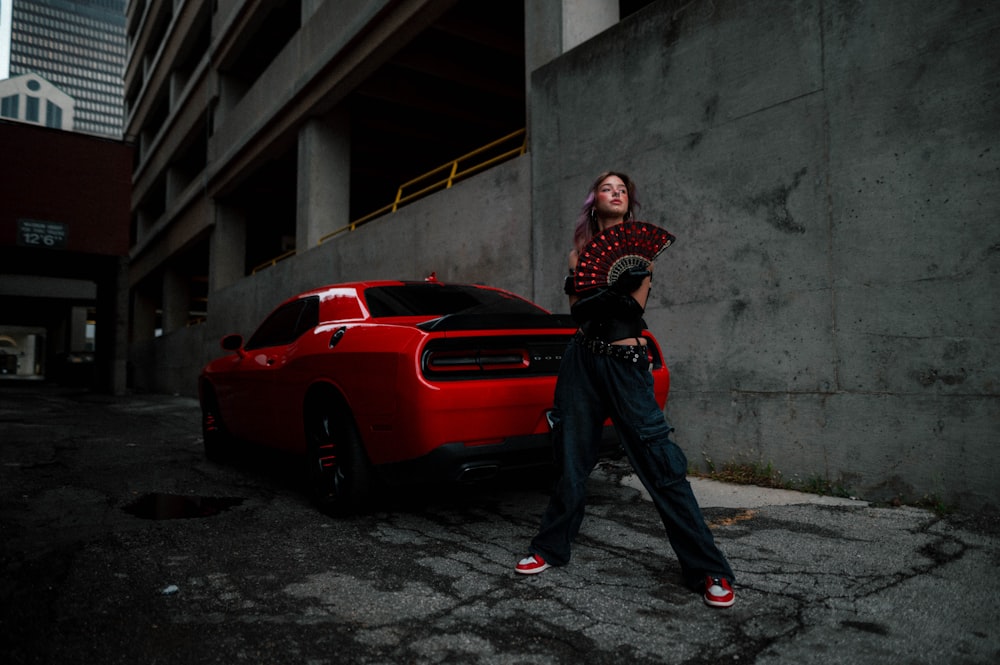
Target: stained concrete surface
{"x":247,"y":571}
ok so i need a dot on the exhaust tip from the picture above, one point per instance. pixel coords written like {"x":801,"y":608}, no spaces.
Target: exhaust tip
{"x":476,"y":472}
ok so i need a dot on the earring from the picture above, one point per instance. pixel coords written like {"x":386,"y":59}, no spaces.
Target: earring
{"x":593,"y":214}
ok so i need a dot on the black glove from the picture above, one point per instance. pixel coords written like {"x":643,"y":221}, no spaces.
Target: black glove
{"x":630,"y":280}
{"x":605,"y":304}
{"x":569,"y":285}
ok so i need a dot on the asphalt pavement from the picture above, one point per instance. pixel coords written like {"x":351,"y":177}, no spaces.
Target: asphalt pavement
{"x":120,"y":543}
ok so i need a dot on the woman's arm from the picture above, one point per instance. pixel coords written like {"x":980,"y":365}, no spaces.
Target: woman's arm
{"x":573,"y":258}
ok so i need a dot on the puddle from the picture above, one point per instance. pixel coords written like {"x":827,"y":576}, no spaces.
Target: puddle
{"x":158,"y":506}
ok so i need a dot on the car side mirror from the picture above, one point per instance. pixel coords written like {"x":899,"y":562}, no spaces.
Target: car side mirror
{"x":233,"y":343}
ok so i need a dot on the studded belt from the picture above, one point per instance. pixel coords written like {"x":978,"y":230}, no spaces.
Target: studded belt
{"x":632,"y":354}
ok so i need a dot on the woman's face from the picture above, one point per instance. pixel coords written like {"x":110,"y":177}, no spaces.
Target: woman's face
{"x":611,"y":198}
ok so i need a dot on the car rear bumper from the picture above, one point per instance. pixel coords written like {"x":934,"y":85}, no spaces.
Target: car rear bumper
{"x":460,"y":463}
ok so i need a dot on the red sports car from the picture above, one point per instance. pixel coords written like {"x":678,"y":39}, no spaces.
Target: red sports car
{"x":394,"y":382}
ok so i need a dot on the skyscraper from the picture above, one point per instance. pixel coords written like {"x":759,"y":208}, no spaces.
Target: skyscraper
{"x":78,"y":46}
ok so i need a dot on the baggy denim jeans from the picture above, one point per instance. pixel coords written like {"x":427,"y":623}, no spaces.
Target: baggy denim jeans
{"x":590,"y":388}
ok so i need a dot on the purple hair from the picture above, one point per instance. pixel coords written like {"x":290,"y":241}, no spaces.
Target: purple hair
{"x":586,"y":223}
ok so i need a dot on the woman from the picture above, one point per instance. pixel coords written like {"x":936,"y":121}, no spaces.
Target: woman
{"x":605,"y":372}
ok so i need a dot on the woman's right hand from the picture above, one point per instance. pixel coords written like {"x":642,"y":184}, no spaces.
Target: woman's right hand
{"x":630,"y":280}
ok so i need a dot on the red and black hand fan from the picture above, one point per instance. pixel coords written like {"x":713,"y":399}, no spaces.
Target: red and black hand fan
{"x":616,"y":249}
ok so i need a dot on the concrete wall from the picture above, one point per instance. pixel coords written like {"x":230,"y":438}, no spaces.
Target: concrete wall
{"x":830,"y":170}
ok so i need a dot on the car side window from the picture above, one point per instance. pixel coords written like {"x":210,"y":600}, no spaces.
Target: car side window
{"x":286,"y":324}
{"x":309,"y":318}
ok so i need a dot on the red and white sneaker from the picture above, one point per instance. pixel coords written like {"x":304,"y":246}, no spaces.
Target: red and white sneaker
{"x":531,"y":564}
{"x":718,"y":592}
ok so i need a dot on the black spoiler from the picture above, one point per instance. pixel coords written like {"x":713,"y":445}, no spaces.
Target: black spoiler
{"x":461,"y":321}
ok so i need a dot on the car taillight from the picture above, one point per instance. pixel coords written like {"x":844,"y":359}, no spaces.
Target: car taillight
{"x":492,"y":357}
{"x":475,"y":361}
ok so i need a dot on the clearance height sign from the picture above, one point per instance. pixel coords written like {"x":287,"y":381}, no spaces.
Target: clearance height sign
{"x":38,"y":233}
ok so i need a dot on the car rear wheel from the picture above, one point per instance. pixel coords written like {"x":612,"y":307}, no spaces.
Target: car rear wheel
{"x":217,"y":439}
{"x":339,"y":474}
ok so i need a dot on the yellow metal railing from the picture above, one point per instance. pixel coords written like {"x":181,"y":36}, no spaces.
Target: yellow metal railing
{"x":442,"y":177}
{"x":268,"y":264}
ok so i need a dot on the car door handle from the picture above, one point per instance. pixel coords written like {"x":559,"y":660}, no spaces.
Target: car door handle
{"x":337,"y":335}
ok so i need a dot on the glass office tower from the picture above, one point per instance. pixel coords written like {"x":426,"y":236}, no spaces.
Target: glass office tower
{"x":78,"y":46}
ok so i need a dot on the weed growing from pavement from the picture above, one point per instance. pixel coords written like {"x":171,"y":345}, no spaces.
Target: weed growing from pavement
{"x":743,"y":473}
{"x":765,"y":475}
{"x":933,"y":503}
{"x":817,"y":484}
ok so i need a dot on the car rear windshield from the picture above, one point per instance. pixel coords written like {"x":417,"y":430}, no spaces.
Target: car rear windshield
{"x":422,"y":299}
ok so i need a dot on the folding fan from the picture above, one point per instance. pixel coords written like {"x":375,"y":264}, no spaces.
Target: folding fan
{"x":616,"y":249}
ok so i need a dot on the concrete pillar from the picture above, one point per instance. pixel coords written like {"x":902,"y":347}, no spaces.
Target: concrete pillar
{"x":309,"y":8}
{"x":144,"y":306}
{"x":228,"y":248}
{"x":178,"y":82}
{"x":144,"y":223}
{"x":176,"y":300}
{"x":582,"y":19}
{"x":553,"y":27}
{"x":324,"y":179}
{"x":175,"y":185}
{"x":112,"y":327}
{"x":118,"y":372}
{"x":28,"y":364}
{"x":78,"y":330}
{"x":59,"y":342}
{"x":231,"y":91}
{"x":542,"y":36}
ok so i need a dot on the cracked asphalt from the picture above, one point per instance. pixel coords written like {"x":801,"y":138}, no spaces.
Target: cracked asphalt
{"x":241,"y":569}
